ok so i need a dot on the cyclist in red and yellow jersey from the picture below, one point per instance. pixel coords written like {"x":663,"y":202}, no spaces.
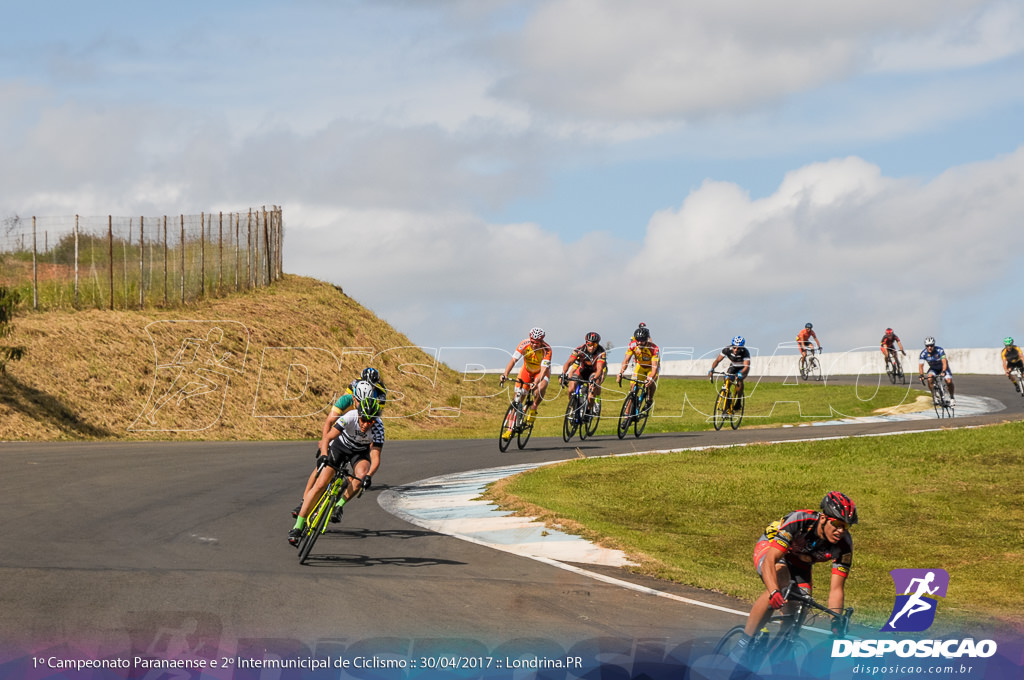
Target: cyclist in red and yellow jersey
{"x":536,"y":356}
{"x":647,"y":357}
{"x":803,"y":341}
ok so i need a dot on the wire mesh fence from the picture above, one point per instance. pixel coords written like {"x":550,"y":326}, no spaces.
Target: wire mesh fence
{"x":137,"y":262}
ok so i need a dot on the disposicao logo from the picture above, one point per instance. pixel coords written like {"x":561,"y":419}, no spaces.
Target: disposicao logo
{"x":917,"y":591}
{"x":914,"y":609}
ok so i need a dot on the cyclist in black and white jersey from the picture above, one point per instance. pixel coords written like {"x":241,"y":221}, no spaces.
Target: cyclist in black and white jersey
{"x":358,"y":437}
{"x":739,"y":362}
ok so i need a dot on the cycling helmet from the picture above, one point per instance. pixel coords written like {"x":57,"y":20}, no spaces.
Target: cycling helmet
{"x":370,"y":408}
{"x":808,"y":326}
{"x":371,"y":375}
{"x":537,"y":333}
{"x":1008,"y":341}
{"x":642,"y":333}
{"x":929,"y":341}
{"x":738,"y":341}
{"x":363,"y":390}
{"x":888,"y":331}
{"x":839,"y":506}
{"x":593,"y":337}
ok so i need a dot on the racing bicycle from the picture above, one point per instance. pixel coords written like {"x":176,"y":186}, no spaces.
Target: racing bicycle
{"x":580,"y":414}
{"x":514,"y":423}
{"x":635,"y":409}
{"x":941,"y":401}
{"x":784,"y":650}
{"x":322,"y":511}
{"x":894,"y":367}
{"x":728,"y":406}
{"x":810,"y":367}
{"x":1018,"y":380}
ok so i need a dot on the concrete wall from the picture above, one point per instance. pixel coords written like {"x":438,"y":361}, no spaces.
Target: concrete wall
{"x":783,"y":362}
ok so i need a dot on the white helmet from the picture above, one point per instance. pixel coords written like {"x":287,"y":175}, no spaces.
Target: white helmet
{"x":363,"y":390}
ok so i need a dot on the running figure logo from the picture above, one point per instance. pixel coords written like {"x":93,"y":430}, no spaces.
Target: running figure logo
{"x":914,"y":609}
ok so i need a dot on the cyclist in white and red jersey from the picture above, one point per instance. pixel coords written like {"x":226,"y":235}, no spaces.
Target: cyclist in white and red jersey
{"x":536,"y":356}
{"x":790,"y":546}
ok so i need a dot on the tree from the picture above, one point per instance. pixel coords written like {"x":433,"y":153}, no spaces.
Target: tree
{"x":9,"y":300}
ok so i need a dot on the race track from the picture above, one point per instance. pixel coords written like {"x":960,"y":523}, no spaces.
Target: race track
{"x":179,"y":550}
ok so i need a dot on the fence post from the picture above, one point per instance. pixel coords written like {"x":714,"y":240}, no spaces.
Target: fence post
{"x":220,"y":252}
{"x":238,"y":259}
{"x":142,"y":262}
{"x":202,"y":255}
{"x":182,"y":259}
{"x":35,"y":268}
{"x":266,"y":245}
{"x":76,"y":261}
{"x":110,"y":254}
{"x":165,"y":260}
{"x":248,"y":251}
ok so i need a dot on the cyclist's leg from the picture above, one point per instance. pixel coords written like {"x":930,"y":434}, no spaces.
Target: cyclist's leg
{"x":949,"y":383}
{"x":360,"y":468}
{"x":539,"y":390}
{"x":762,"y":610}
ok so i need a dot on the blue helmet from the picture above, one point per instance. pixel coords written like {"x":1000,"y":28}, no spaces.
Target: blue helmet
{"x":739,"y":341}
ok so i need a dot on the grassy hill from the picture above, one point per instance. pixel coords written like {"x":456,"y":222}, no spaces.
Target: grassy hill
{"x":258,"y":365}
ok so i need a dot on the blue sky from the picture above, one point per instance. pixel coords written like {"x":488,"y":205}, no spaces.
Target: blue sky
{"x":471,"y":168}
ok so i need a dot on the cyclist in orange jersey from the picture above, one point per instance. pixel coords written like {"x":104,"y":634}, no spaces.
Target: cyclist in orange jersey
{"x":536,"y":356}
{"x":803,"y":341}
{"x":648,"y":359}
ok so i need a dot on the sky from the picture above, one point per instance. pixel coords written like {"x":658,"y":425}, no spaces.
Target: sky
{"x":469,"y":169}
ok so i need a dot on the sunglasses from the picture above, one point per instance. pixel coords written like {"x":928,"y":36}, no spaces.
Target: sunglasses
{"x":838,"y":523}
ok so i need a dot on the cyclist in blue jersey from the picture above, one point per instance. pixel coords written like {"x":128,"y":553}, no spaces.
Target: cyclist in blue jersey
{"x":934,"y":359}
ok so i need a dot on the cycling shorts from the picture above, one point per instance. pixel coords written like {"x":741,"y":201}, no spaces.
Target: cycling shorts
{"x":735,"y":371}
{"x":799,"y":570}
{"x":528,"y":377}
{"x":938,"y":371}
{"x":1015,"y":364}
{"x":338,"y":453}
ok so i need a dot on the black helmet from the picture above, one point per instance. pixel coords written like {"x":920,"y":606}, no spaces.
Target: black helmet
{"x":642,"y":333}
{"x":593,"y":336}
{"x":370,"y":408}
{"x":839,"y":506}
{"x":808,"y":326}
{"x":371,"y":375}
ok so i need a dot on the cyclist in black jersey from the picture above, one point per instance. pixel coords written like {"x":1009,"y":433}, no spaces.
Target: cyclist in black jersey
{"x":739,"y":362}
{"x":588,"y":361}
{"x":790,"y":546}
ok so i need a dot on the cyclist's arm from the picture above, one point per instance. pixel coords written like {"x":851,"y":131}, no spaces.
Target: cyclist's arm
{"x":768,"y":573}
{"x":374,"y":459}
{"x":746,"y":369}
{"x":655,"y":368}
{"x":715,"y":363}
{"x":837,"y":592}
{"x":325,"y":441}
{"x":511,"y":363}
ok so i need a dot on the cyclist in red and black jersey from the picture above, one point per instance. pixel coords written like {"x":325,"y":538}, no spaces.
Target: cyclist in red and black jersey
{"x":588,"y":362}
{"x":889,"y":342}
{"x":790,"y":546}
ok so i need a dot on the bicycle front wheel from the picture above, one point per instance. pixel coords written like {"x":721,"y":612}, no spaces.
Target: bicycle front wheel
{"x":321,"y":515}
{"x":525,"y":430}
{"x":718,"y":417}
{"x":813,"y":369}
{"x":508,"y":426}
{"x":890,"y":369}
{"x":569,"y":423}
{"x":640,"y":419}
{"x":592,"y":419}
{"x":625,"y":416}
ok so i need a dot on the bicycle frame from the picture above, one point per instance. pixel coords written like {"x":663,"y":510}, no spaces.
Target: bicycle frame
{"x":727,"y":403}
{"x":635,"y":410}
{"x":320,"y":516}
{"x":514,"y":421}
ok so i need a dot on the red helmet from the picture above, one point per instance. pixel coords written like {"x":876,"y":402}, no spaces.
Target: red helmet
{"x":839,"y":506}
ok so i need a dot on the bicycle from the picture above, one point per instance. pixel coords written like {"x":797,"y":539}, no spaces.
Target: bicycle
{"x":580,"y":414}
{"x":634,"y":409}
{"x":515,"y":423}
{"x":320,"y":516}
{"x":941,"y":401}
{"x":727,"y":405}
{"x":810,"y":367}
{"x":894,"y":368}
{"x":785,"y":650}
{"x":1018,"y":380}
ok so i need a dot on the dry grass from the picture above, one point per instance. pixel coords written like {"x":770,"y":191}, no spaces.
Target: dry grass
{"x":260,"y":365}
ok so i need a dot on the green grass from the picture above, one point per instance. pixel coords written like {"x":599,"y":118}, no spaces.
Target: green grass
{"x":948,"y":499}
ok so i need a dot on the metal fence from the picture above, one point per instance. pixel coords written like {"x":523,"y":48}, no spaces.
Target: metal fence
{"x":136,"y":262}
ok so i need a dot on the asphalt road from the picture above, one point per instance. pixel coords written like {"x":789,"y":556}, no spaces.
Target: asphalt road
{"x":179,"y":550}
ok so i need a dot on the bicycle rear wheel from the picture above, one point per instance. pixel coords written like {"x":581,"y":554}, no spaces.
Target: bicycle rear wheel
{"x":737,"y":411}
{"x":625,"y":416}
{"x":508,"y":425}
{"x":592,"y":419}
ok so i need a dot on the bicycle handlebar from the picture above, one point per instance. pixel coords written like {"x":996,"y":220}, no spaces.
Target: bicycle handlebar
{"x":794,"y":592}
